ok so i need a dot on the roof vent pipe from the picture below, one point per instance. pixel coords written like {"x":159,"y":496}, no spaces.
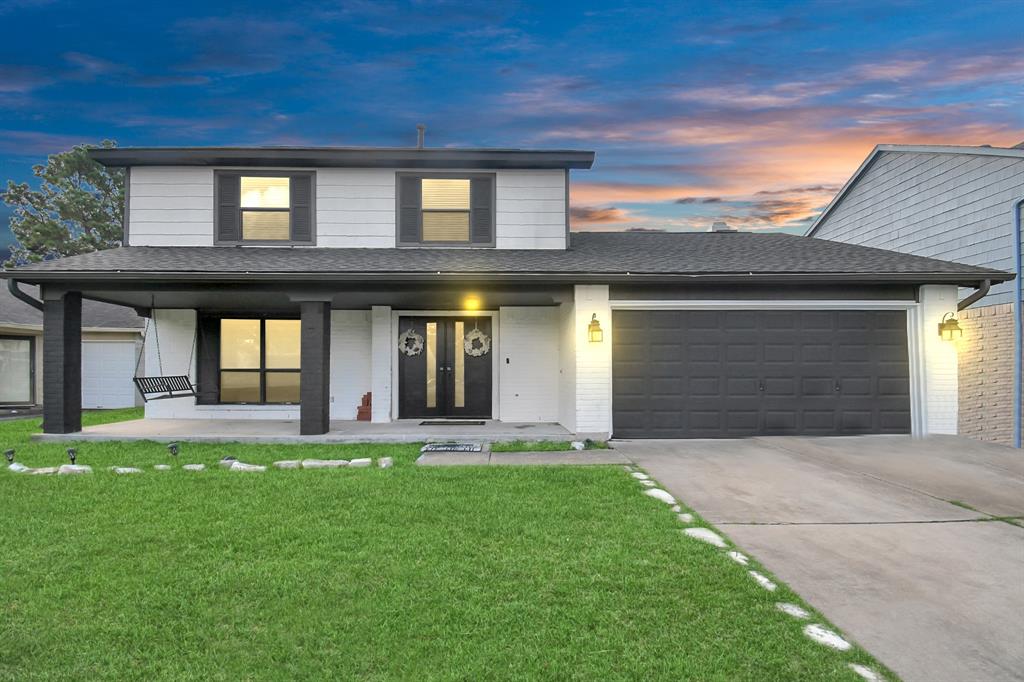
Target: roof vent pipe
{"x":720,"y":226}
{"x":420,"y":133}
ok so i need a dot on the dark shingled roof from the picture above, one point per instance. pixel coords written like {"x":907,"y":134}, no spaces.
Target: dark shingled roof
{"x":94,"y":314}
{"x":593,"y":256}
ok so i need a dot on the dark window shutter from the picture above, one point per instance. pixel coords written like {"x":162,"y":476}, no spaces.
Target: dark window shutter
{"x":481,"y":210}
{"x":229,"y":190}
{"x":410,"y":200}
{"x":302,"y":208}
{"x":208,"y":360}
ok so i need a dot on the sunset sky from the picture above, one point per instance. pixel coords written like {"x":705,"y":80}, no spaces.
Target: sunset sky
{"x":752,"y":113}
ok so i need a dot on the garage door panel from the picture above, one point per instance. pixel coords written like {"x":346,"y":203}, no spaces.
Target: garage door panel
{"x":743,"y":373}
{"x":107,"y":370}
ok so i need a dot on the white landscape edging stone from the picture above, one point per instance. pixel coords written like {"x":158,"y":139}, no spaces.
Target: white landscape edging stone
{"x":823,"y":635}
{"x":763,"y":581}
{"x":639,"y":475}
{"x":866,"y":672}
{"x":162,"y":467}
{"x":18,"y":467}
{"x":288,"y":464}
{"x":324,"y":463}
{"x":43,"y":471}
{"x":685,"y":518}
{"x":360,"y":462}
{"x":648,"y":484}
{"x":739,"y":557}
{"x":242,"y":466}
{"x":385,"y":462}
{"x":793,"y":610}
{"x":659,"y":494}
{"x":194,"y":467}
{"x":126,"y":470}
{"x":74,"y":469}
{"x":706,"y":535}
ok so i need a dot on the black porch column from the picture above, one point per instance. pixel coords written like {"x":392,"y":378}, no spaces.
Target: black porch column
{"x":315,"y":387}
{"x":62,"y":362}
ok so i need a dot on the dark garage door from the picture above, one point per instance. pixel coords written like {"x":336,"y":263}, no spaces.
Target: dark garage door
{"x":735,"y":373}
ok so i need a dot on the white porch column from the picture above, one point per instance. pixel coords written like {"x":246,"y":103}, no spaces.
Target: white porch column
{"x":381,"y":352}
{"x":938,"y":362}
{"x":593,"y":363}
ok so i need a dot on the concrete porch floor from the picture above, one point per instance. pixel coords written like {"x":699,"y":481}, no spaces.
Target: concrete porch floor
{"x":280,"y":431}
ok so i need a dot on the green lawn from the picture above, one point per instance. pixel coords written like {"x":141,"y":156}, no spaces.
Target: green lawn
{"x":543,"y":445}
{"x":403,"y":573}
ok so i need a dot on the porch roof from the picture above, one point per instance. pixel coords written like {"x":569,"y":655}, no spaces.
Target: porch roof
{"x":593,"y":256}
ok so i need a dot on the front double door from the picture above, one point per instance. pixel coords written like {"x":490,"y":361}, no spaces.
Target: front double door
{"x":444,"y":367}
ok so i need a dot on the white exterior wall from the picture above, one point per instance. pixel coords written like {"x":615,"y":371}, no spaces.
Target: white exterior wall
{"x":949,"y":206}
{"x":350,"y":361}
{"x":170,"y":206}
{"x":529,"y":363}
{"x":938,"y":362}
{"x":355,"y":208}
{"x":380,"y":363}
{"x":593,"y":363}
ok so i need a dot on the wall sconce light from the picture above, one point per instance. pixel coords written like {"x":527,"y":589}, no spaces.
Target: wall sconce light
{"x":72,"y":454}
{"x":173,"y":449}
{"x":594,"y":331}
{"x":471,"y":302}
{"x":949,"y":328}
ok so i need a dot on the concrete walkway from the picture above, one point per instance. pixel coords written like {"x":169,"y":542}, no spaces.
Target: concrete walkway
{"x":865,"y":530}
{"x":556,"y":458}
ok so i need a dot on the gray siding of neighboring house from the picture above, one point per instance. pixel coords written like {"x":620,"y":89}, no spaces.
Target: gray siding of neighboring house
{"x":950,"y":206}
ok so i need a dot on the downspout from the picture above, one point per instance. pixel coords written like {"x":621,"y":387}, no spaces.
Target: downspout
{"x":1018,"y":343}
{"x":979,"y":294}
{"x":12,"y":286}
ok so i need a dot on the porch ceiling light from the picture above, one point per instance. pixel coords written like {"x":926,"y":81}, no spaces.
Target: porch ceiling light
{"x":471,"y":302}
{"x":594,"y":331}
{"x":949,"y":328}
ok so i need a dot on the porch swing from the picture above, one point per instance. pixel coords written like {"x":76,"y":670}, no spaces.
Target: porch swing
{"x":163,"y":386}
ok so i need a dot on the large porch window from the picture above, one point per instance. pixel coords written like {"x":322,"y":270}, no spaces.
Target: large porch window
{"x":259,"y":361}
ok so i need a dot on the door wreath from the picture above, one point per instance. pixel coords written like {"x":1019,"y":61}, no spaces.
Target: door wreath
{"x":410,"y":343}
{"x":476,"y":343}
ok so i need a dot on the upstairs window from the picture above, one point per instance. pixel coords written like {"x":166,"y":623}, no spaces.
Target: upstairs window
{"x":264,"y":207}
{"x":440,"y":209}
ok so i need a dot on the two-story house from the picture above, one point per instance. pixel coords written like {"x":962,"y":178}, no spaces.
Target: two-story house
{"x":963,"y":204}
{"x":289,"y":284}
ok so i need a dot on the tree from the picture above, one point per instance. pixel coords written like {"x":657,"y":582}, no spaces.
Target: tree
{"x":78,"y":207}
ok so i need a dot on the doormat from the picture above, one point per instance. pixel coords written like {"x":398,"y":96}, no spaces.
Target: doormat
{"x":451,"y":422}
{"x":452,"y":447}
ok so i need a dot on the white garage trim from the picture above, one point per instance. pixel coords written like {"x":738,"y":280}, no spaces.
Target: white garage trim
{"x":915,"y":355}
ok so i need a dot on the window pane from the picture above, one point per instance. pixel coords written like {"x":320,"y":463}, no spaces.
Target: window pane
{"x":438,"y":193}
{"x":265,"y":224}
{"x":239,"y":387}
{"x":431,"y":364}
{"x":265,"y":192}
{"x":283,"y":344}
{"x":445,"y":227}
{"x":15,"y":371}
{"x":282,"y":387}
{"x":240,"y":344}
{"x":460,"y":364}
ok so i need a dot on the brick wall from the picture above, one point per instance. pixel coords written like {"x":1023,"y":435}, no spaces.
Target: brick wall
{"x":986,"y":373}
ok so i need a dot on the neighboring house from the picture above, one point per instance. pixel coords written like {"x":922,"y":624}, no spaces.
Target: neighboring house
{"x":111,"y":339}
{"x":962,"y":204}
{"x":293,"y":283}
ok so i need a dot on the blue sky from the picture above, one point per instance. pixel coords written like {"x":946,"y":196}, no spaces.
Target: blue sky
{"x":753,"y":113}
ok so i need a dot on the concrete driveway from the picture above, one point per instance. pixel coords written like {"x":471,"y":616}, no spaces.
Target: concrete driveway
{"x":866,"y":530}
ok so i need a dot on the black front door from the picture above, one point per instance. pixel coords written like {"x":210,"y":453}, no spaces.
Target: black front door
{"x":444,"y":367}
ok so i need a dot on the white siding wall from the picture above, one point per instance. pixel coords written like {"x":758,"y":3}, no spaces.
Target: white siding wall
{"x":355,"y":208}
{"x":380,"y":363}
{"x":530,"y":210}
{"x":529,"y":363}
{"x":593,"y":363}
{"x":170,"y":206}
{"x":350,"y":361}
{"x":948,"y":206}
